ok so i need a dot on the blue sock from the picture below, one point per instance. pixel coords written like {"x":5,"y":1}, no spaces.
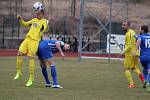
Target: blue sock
{"x":145,"y":74}
{"x":54,"y":74}
{"x":45,"y":74}
{"x":148,"y":78}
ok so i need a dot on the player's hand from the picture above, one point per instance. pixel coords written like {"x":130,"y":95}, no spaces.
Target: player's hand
{"x":122,"y":53}
{"x":135,"y":54}
{"x":62,"y":54}
{"x":19,"y":17}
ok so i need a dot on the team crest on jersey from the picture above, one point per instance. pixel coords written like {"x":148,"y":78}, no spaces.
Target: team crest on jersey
{"x":35,"y":24}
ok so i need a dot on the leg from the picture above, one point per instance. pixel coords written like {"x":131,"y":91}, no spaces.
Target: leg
{"x":138,"y":72}
{"x":22,"y":50}
{"x":53,"y":71}
{"x":31,"y":71}
{"x":127,"y":72}
{"x":148,"y":77}
{"x":18,"y":65}
{"x":145,"y":72}
{"x":134,"y":67}
{"x":44,"y":72}
{"x":32,"y":46}
{"x":129,"y":78}
{"x":54,"y":74}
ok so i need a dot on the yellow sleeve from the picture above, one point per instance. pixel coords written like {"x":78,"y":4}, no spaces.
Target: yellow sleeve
{"x":131,"y":41}
{"x":137,"y":53}
{"x":127,"y":49}
{"x":28,"y":23}
{"x":45,"y":26}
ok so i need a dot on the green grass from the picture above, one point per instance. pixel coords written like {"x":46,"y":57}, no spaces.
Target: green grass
{"x":90,"y":79}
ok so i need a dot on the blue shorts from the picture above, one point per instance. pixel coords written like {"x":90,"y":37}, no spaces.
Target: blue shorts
{"x":145,"y":61}
{"x":44,"y":53}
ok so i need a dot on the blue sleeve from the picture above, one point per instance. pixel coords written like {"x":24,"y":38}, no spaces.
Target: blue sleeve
{"x":52,"y":41}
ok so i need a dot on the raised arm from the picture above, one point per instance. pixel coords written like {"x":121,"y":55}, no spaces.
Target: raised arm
{"x":45,"y":26}
{"x":22,"y":22}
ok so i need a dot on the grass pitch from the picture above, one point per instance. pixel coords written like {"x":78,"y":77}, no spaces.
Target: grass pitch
{"x":90,"y":79}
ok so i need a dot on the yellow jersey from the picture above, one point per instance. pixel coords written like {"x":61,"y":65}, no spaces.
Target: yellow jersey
{"x":38,"y":27}
{"x":130,"y":42}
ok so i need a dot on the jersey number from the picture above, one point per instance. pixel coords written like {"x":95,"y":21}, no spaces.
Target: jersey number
{"x":147,"y":43}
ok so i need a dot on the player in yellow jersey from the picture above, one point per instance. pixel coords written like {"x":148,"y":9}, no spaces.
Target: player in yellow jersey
{"x":131,"y":57}
{"x":29,"y":46}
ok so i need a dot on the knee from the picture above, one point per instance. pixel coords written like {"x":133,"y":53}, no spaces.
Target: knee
{"x":50,"y":62}
{"x":126,"y":69}
{"x":20,"y":54}
{"x":132,"y":68}
{"x":43,"y":64}
{"x":31,"y":58}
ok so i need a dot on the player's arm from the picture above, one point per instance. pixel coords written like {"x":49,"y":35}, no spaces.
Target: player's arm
{"x":45,"y":26}
{"x":127,"y":48}
{"x":58,"y":45}
{"x":28,"y":23}
{"x":132,"y":41}
{"x":136,"y":52}
{"x":138,"y":43}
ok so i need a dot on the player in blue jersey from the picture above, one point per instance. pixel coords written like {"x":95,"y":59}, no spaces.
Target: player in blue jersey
{"x":46,"y":50}
{"x":143,"y":43}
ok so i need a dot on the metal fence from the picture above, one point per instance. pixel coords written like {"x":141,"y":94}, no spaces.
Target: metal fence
{"x":11,"y":34}
{"x":66,"y":21}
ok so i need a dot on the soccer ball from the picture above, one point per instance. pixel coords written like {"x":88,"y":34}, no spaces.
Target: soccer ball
{"x":38,"y":6}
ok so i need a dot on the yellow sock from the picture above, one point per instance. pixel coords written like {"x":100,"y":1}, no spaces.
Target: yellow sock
{"x":137,"y":71}
{"x":31,"y":68}
{"x":129,"y":76}
{"x":19,"y":64}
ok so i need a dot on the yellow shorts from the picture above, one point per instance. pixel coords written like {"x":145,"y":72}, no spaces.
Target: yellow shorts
{"x":130,"y":61}
{"x":29,"y":47}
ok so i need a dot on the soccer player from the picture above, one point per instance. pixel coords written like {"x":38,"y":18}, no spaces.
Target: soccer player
{"x":46,"y":50}
{"x":144,"y":43}
{"x":130,"y":62}
{"x":29,"y":46}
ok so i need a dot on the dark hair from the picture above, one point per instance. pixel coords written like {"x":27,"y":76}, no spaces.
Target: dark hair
{"x":144,"y":28}
{"x":42,"y":11}
{"x":62,"y":47}
{"x":126,"y":21}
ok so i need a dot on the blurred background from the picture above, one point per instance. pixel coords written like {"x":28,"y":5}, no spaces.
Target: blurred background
{"x":65,"y":21}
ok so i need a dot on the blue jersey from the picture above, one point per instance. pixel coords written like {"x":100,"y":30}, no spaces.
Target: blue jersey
{"x":145,"y":50}
{"x":47,"y":48}
{"x":145,"y":45}
{"x":50,"y":44}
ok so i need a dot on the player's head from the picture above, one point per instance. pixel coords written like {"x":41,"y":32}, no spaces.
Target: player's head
{"x":125,"y":25}
{"x":65,"y":46}
{"x":144,"y":29}
{"x":39,"y":9}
